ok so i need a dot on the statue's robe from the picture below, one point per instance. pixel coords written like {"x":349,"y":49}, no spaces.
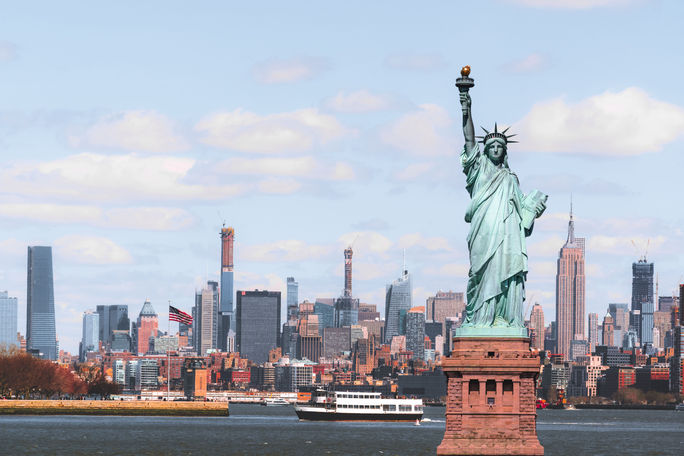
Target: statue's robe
{"x":496,"y":242}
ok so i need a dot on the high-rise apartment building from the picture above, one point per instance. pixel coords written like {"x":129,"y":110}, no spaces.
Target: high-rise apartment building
{"x":292,"y":296}
{"x":225,"y":315}
{"x":41,"y":335}
{"x":570,"y":292}
{"x":537,"y":327}
{"x":205,"y":321}
{"x":258,"y":324}
{"x":398,"y":301}
{"x":90,"y":340}
{"x":8,"y":320}
{"x":593,"y":331}
{"x":415,"y":332}
{"x":642,"y":292}
{"x":145,"y":327}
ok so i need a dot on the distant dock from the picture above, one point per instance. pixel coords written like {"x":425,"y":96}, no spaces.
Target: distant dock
{"x":124,"y":408}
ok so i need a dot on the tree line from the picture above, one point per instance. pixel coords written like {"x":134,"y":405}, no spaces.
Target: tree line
{"x":26,"y":377}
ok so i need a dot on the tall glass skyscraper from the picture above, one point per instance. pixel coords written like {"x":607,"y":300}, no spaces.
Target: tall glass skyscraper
{"x":8,"y":320}
{"x":397,"y":304}
{"x":258,"y":324}
{"x":90,"y":340}
{"x":41,"y":336}
{"x":642,"y":292}
{"x":292,"y":297}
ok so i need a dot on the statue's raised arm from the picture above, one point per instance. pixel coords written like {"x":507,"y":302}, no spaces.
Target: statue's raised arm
{"x":464,"y":83}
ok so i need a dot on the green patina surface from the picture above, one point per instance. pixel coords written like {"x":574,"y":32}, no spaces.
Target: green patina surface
{"x":501,"y":216}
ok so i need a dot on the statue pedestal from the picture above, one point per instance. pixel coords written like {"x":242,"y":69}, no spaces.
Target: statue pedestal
{"x":491,"y":401}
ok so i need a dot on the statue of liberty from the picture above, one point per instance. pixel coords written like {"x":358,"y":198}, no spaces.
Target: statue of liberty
{"x":500,"y":218}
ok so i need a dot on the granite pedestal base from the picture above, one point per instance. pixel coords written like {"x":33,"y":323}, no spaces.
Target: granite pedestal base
{"x":491,"y":402}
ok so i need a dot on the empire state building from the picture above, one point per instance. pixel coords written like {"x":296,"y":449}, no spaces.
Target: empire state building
{"x":570,"y":291}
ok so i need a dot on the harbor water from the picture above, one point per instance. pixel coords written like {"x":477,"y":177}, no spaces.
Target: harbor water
{"x":253,"y":429}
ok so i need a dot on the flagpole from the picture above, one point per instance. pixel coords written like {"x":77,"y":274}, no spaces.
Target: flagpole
{"x":168,"y":358}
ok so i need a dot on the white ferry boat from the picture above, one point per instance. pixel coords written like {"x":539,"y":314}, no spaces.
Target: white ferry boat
{"x":358,"y":406}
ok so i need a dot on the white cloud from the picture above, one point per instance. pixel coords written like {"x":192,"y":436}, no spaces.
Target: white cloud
{"x":416,"y":239}
{"x":414,"y":170}
{"x":289,"y":250}
{"x":359,"y":101}
{"x":422,"y":132}
{"x":295,"y":131}
{"x":421,"y":62}
{"x":144,"y":218}
{"x":623,"y":245}
{"x":278,"y":71}
{"x":454,"y":269}
{"x":279,"y":186}
{"x":623,"y":123}
{"x":531,"y":63}
{"x":140,"y":130}
{"x":91,"y":250}
{"x":573,"y":4}
{"x":8,"y":51}
{"x":93,"y":177}
{"x":304,"y":166}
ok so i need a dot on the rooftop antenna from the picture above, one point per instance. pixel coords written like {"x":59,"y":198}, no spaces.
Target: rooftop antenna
{"x":403,"y":268}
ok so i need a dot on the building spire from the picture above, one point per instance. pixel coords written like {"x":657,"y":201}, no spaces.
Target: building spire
{"x":571,"y":225}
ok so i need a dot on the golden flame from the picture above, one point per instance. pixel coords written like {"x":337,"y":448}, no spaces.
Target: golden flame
{"x":465,"y":71}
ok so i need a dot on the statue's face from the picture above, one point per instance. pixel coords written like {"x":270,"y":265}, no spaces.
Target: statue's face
{"x":496,"y":151}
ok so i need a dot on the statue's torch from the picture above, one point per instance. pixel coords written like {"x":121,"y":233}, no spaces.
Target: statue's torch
{"x":464,"y":83}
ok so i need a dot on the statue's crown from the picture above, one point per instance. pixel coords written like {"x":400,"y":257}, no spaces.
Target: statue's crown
{"x":496,"y":134}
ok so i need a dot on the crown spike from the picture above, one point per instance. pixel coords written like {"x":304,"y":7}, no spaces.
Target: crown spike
{"x":495,"y":130}
{"x":485,"y":130}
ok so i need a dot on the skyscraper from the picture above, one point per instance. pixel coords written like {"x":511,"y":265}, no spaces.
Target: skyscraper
{"x":398,"y":301}
{"x":41,"y":336}
{"x":8,"y":320}
{"x":112,"y":318}
{"x":347,"y":307}
{"x":146,"y":327}
{"x":206,"y":318}
{"x":593,"y":331}
{"x":537,"y":326}
{"x":90,"y":339}
{"x":415,"y":332}
{"x":570,"y":286}
{"x":608,"y":328}
{"x":443,"y":305}
{"x":292,"y":298}
{"x":642,"y":292}
{"x":348,"y":252}
{"x":258,"y":324}
{"x":225,"y":321}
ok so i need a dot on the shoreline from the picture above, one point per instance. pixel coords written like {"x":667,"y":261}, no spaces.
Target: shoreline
{"x":123,"y":408}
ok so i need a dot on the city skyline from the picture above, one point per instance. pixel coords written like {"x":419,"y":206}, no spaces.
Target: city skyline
{"x":127,"y":150}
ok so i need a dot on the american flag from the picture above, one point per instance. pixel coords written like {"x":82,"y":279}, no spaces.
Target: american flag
{"x":179,"y":316}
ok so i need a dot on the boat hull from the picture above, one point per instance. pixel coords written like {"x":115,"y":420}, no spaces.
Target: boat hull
{"x":335,"y":416}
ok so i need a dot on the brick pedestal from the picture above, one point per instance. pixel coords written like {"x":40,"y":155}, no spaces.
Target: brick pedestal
{"x":491,"y":403}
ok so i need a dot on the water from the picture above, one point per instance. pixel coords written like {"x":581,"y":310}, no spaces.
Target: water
{"x":253,"y":429}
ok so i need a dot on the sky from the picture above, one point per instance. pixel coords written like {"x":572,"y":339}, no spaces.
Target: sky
{"x":130,"y":132}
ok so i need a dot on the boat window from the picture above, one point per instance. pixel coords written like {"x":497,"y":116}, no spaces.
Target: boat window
{"x":389,"y":408}
{"x":404,"y":408}
{"x":418,"y":408}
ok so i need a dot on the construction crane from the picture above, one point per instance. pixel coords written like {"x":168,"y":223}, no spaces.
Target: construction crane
{"x":642,"y":258}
